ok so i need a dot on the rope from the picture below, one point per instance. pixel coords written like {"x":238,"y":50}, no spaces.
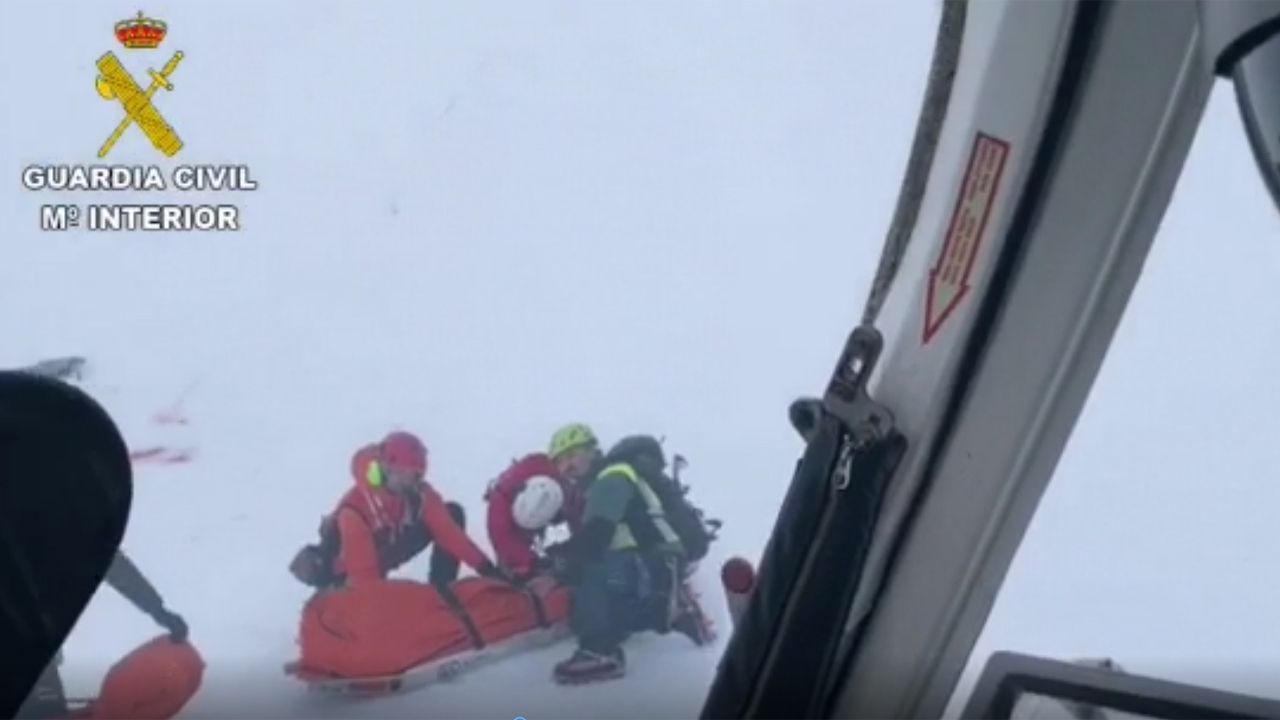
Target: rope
{"x":942,"y":73}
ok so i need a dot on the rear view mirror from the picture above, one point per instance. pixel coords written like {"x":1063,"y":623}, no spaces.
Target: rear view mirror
{"x":1241,"y":40}
{"x":1257,"y":81}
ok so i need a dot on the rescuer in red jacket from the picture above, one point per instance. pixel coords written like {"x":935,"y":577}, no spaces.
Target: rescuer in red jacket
{"x":390,"y":516}
{"x":524,"y":501}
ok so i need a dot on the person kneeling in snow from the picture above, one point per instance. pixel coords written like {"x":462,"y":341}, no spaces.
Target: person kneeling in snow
{"x":389,"y":517}
{"x":48,"y":698}
{"x":523,"y":502}
{"x":624,"y":563}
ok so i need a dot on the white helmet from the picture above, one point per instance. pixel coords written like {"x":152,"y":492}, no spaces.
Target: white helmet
{"x":538,"y":503}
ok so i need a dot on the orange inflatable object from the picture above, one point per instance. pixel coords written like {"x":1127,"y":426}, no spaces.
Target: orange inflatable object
{"x":388,"y":627}
{"x":153,"y":682}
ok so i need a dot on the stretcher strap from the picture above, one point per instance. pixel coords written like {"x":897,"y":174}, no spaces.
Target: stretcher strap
{"x":450,"y":599}
{"x":539,"y":610}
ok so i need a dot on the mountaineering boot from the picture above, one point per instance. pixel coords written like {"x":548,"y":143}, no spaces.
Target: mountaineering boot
{"x":586,"y":666}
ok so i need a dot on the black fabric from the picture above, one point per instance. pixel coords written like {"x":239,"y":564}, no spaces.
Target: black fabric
{"x":587,"y":545}
{"x":789,"y":647}
{"x":412,"y":538}
{"x":642,"y":452}
{"x":314,"y":564}
{"x":444,"y":566}
{"x":311,"y":568}
{"x":65,"y":491}
{"x":48,"y":699}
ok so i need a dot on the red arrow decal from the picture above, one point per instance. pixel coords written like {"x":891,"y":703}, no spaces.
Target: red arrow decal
{"x":950,"y":274}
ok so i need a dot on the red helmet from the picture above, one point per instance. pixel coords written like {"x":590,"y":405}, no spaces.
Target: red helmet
{"x":403,"y":451}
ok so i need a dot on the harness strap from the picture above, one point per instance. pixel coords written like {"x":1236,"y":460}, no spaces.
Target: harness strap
{"x":455,"y":605}
{"x":357,"y":510}
{"x":539,"y":610}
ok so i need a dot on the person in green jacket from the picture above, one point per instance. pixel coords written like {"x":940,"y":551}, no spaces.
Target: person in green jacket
{"x":623,"y":560}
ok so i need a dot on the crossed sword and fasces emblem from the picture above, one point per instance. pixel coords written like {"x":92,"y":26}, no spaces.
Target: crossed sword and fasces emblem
{"x":115,"y":83}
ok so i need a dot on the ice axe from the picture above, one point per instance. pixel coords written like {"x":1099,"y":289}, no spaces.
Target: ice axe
{"x":678,"y":463}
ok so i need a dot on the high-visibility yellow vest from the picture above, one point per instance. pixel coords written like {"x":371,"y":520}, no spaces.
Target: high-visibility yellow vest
{"x":623,"y":538}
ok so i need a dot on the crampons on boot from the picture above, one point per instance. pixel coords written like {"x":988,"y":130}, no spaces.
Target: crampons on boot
{"x":690,"y":621}
{"x":588,"y":667}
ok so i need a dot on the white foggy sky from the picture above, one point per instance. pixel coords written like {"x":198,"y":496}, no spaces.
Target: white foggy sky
{"x":1155,"y":541}
{"x":483,"y":221}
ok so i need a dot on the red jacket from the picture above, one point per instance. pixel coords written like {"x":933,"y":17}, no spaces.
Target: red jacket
{"x":512,"y":544}
{"x":381,"y":530}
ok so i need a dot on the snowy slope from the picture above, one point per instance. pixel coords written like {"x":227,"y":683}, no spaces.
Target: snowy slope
{"x":476,"y":221}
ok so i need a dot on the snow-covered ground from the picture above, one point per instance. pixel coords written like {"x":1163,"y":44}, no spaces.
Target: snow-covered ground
{"x":477,"y":221}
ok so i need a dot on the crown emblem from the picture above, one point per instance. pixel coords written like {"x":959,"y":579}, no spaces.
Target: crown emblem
{"x":141,"y":33}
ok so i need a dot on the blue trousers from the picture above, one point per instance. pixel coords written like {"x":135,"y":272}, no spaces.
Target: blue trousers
{"x":621,"y":593}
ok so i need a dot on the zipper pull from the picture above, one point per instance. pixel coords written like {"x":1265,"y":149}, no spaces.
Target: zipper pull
{"x":844,"y":465}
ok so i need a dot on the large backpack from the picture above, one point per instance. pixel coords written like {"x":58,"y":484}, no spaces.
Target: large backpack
{"x":313,"y":564}
{"x":644,"y":453}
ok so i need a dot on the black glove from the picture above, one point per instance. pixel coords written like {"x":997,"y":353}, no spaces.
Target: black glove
{"x":172,"y":622}
{"x":561,"y":570}
{"x":557,"y":563}
{"x":495,"y":572}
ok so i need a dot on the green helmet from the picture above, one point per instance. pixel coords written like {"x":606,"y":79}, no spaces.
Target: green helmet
{"x":570,"y":437}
